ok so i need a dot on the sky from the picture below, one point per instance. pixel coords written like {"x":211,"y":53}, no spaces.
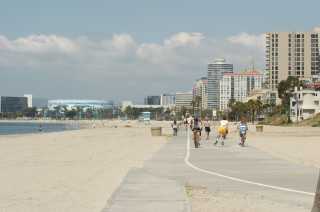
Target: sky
{"x":125,"y":50}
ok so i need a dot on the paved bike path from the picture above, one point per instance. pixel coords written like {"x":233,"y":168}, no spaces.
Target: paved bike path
{"x":169,"y":169}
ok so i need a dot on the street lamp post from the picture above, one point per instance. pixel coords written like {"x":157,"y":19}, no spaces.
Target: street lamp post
{"x":297,"y":106}
{"x":316,"y":203}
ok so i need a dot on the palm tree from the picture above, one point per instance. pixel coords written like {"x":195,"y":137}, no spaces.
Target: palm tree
{"x":285,"y":89}
{"x":57,"y":110}
{"x":252,"y":108}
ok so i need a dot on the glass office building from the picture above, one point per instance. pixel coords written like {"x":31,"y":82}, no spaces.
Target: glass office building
{"x":215,"y":74}
{"x":152,"y":100}
{"x":11,"y":104}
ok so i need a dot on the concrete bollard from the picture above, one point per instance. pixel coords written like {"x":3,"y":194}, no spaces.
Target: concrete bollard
{"x":316,"y":203}
{"x":259,"y":128}
{"x":156,"y":131}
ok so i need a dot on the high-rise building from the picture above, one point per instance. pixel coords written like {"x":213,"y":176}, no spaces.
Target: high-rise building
{"x":29,"y":97}
{"x":184,"y":100}
{"x":215,"y":73}
{"x":11,"y":104}
{"x":200,"y":90}
{"x":152,"y":100}
{"x":237,"y":86}
{"x":292,"y":54}
{"x":168,"y":100}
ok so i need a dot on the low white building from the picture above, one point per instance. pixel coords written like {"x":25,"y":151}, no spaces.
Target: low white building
{"x":70,"y":104}
{"x":126,"y":104}
{"x":304,"y":104}
{"x":266,"y":96}
{"x":168,"y":100}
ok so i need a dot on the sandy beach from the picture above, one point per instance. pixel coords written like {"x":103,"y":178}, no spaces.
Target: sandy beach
{"x":296,"y":144}
{"x":79,"y":170}
{"x":72,"y":170}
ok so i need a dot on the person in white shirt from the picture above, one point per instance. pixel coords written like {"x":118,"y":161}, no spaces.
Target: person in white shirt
{"x":174,"y":126}
{"x":190,"y":121}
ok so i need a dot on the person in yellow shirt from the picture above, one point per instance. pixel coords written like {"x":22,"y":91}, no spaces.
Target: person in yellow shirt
{"x":222,"y":131}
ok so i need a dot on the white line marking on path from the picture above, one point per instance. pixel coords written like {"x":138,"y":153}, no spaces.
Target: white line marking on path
{"x":188,"y":163}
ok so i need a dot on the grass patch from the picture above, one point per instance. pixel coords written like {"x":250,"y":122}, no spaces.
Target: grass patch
{"x":282,"y":120}
{"x":277,"y":120}
{"x":314,"y":121}
{"x":188,"y":190}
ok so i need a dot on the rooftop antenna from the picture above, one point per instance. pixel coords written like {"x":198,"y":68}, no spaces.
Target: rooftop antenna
{"x":253,"y":63}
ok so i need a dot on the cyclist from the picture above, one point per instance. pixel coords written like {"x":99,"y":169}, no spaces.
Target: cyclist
{"x":185,"y":122}
{"x":196,"y":128}
{"x":222,"y":131}
{"x":243,"y":128}
{"x":190,"y":122}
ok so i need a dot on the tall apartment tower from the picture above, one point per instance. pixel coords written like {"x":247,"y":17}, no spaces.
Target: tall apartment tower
{"x":292,"y":54}
{"x":200,"y":89}
{"x":215,"y":74}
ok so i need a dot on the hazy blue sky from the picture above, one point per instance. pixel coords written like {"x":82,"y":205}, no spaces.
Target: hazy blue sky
{"x":116,"y":49}
{"x":152,"y":20}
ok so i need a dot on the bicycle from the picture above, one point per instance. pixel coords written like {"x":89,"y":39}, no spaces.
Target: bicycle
{"x":242,"y":139}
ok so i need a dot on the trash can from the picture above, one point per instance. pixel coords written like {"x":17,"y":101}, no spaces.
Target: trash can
{"x":259,"y":128}
{"x":156,"y":131}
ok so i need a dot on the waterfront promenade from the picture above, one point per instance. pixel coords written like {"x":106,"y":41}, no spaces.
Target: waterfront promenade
{"x":214,"y":178}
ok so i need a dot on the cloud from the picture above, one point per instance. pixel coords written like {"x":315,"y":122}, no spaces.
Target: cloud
{"x":123,"y":42}
{"x":116,"y":67}
{"x":39,"y":44}
{"x":184,"y":39}
{"x":4,"y":42}
{"x":316,"y":29}
{"x":170,"y":50}
{"x":249,"y":40}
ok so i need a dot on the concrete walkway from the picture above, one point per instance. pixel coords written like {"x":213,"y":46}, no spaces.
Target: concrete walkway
{"x":160,"y":184}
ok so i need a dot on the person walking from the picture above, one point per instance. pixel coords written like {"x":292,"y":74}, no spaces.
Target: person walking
{"x":185,"y":122}
{"x":222,"y":131}
{"x":190,"y":122}
{"x":174,"y":126}
{"x":196,"y":128}
{"x":207,"y":128}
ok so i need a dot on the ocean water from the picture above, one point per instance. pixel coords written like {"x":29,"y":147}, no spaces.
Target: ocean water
{"x":9,"y":128}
